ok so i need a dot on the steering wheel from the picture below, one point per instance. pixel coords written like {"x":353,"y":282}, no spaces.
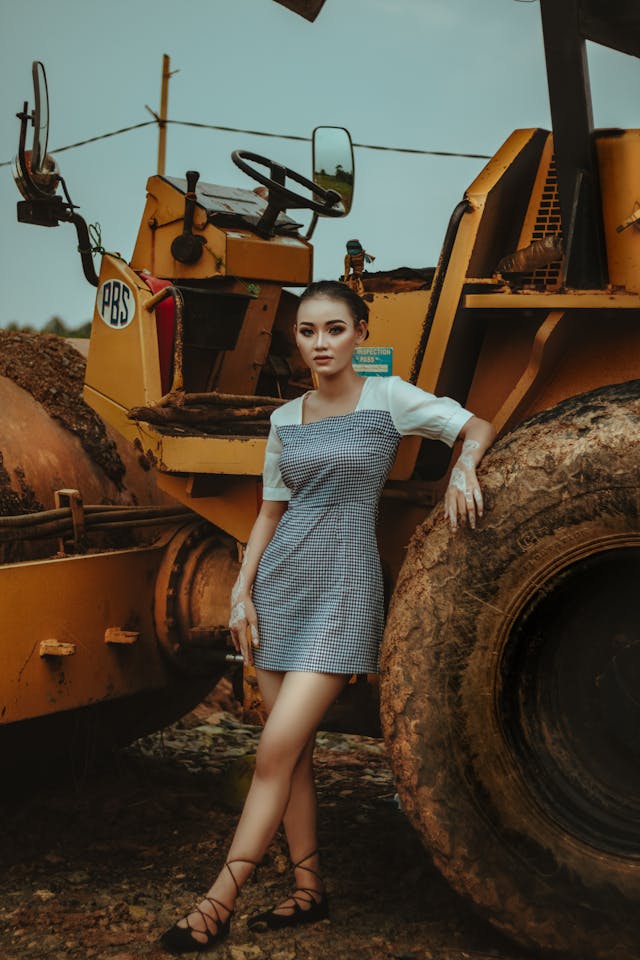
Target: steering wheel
{"x":280,"y":196}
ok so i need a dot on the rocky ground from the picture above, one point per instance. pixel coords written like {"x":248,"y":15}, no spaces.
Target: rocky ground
{"x":99,"y":867}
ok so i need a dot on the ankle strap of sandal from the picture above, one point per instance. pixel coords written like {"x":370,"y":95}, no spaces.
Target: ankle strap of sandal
{"x":300,"y":866}
{"x":240,"y":860}
{"x":208,"y":919}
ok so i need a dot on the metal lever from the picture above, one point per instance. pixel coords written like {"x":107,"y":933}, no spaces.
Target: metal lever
{"x":187,"y":248}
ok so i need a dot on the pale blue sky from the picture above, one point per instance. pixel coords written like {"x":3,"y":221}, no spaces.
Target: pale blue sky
{"x":454,"y":75}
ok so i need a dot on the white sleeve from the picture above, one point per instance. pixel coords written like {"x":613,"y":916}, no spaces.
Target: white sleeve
{"x":414,"y":411}
{"x":273,"y":486}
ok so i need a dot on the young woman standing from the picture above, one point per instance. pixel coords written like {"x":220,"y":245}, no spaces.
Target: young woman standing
{"x":307,"y":607}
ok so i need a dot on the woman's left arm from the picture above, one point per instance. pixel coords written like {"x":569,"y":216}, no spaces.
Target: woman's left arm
{"x":463,"y":497}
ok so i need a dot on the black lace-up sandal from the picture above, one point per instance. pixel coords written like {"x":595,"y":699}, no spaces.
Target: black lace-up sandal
{"x":181,"y":940}
{"x":309,"y":906}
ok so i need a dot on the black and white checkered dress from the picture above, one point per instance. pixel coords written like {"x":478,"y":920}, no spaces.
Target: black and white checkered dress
{"x":318,"y":591}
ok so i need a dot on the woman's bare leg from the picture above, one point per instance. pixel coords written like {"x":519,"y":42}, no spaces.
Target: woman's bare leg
{"x":300,"y":820}
{"x":300,"y":704}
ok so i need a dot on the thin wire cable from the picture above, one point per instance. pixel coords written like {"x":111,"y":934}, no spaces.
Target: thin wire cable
{"x":101,"y":136}
{"x":429,"y":153}
{"x":263,"y":133}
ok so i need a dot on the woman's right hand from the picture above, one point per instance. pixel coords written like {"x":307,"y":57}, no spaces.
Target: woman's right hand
{"x":243,"y":624}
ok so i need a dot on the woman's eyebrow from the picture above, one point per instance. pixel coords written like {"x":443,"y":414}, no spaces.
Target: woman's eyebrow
{"x":326,"y":323}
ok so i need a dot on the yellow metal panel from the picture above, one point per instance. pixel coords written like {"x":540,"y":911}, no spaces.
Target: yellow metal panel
{"x":498,"y":165}
{"x":72,"y":601}
{"x":531,"y":300}
{"x":161,"y":222}
{"x":549,"y":343}
{"x":239,"y":455}
{"x":457,"y":271}
{"x":123,"y":361}
{"x":395,"y":320}
{"x":448,"y":312}
{"x":281,"y":259}
{"x":600,"y":348}
{"x":233,"y":508}
{"x":449,"y":300}
{"x":619,"y":162}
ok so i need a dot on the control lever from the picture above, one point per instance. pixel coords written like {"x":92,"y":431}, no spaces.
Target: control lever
{"x":187,"y":248}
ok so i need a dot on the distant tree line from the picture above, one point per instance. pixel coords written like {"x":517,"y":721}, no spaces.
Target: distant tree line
{"x":57,"y":326}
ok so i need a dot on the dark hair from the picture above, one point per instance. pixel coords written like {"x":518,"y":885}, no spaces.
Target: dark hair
{"x":335,"y":290}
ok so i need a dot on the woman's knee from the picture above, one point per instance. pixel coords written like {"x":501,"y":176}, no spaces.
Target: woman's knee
{"x":305,"y":758}
{"x":275,"y":757}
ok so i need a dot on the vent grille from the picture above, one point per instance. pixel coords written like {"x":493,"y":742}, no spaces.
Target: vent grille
{"x":547,"y":224}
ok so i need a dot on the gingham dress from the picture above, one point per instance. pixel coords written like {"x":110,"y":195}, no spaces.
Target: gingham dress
{"x":318,"y":590}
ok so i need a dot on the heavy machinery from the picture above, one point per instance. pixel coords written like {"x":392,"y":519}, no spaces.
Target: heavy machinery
{"x":510,"y":694}
{"x":129,"y":630}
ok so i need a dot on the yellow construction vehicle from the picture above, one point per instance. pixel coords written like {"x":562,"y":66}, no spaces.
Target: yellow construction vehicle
{"x":145,"y":521}
{"x":510,"y":692}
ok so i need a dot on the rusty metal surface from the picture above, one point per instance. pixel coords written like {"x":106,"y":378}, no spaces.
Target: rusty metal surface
{"x":38,"y":456}
{"x":52,"y":372}
{"x":192,"y":596}
{"x":74,"y":600}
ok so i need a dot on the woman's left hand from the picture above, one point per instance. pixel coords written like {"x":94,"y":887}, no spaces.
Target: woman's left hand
{"x":243,"y":623}
{"x":463,"y":497}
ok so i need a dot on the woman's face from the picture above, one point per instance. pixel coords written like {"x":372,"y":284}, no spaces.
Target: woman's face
{"x":326,"y":335}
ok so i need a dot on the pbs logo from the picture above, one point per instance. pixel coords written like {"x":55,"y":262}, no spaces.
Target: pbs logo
{"x":116,"y":304}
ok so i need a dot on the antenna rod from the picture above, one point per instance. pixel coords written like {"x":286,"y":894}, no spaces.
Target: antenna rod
{"x":162,"y":126}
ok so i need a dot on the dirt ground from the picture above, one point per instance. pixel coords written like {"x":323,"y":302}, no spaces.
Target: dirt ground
{"x":99,"y":867}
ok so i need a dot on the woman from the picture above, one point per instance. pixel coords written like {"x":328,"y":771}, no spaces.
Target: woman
{"x":307,"y":604}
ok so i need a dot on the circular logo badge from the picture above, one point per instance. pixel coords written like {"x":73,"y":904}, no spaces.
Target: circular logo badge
{"x":116,"y":304}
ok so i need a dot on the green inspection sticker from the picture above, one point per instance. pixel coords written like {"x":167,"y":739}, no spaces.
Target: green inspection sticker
{"x":373,"y":361}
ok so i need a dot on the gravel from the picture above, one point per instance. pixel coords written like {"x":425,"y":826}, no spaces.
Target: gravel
{"x":99,"y":867}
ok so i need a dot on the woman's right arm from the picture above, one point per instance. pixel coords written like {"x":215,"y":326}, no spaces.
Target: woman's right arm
{"x":243,"y":618}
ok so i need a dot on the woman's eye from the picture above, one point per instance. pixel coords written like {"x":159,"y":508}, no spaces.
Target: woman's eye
{"x":337,"y":330}
{"x":305,"y":332}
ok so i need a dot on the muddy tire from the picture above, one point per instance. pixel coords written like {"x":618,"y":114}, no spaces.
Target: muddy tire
{"x":511,"y":683}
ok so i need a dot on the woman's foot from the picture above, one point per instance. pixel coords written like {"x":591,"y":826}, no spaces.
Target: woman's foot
{"x":208,"y":923}
{"x":307,"y":904}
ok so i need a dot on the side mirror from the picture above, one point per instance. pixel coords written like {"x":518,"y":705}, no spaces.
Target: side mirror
{"x":333,"y":163}
{"x":35,"y":172}
{"x":37,"y":177}
{"x":40,"y":117}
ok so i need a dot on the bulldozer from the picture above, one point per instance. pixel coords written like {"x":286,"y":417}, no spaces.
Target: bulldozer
{"x":510,"y":675}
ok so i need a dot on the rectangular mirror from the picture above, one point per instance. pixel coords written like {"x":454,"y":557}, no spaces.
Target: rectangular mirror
{"x":333,"y":163}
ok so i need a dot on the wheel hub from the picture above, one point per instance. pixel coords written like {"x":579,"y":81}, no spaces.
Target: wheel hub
{"x":570,"y":698}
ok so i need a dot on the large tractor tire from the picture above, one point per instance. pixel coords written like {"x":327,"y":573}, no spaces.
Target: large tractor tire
{"x":511,"y":683}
